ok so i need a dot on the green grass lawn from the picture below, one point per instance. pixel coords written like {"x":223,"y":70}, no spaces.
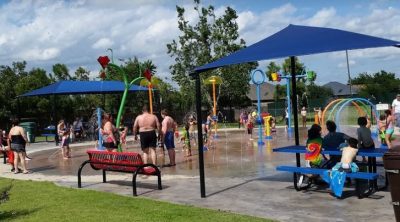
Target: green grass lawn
{"x":44,"y":201}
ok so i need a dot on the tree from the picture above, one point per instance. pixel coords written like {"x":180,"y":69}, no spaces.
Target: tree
{"x":382,"y":86}
{"x":208,"y":40}
{"x":272,"y":68}
{"x":61,"y":72}
{"x":81,"y":74}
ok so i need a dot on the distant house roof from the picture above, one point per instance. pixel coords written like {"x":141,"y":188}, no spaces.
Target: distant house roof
{"x":340,"y":89}
{"x":267,"y":91}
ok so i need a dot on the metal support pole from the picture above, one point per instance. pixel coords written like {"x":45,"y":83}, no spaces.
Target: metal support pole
{"x":200,"y":136}
{"x":100,"y":145}
{"x":348,"y":72}
{"x":259,"y":120}
{"x":288,"y":104}
{"x":294,"y":99}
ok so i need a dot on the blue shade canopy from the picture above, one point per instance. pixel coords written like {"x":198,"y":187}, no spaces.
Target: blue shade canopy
{"x":296,"y":40}
{"x":83,"y":87}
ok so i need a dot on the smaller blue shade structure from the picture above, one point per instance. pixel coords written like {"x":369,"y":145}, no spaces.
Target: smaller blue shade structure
{"x":82,"y":87}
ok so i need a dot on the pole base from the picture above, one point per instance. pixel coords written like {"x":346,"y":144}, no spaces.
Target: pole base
{"x":260,"y":142}
{"x":268,"y":137}
{"x":215,"y":136}
{"x":290,"y":129}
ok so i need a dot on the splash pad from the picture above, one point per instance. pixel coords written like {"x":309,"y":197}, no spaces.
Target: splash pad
{"x":363,"y":107}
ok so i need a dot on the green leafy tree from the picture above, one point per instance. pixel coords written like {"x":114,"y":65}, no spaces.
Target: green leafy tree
{"x":81,"y":74}
{"x":209,"y":39}
{"x":382,"y":86}
{"x":61,"y":72}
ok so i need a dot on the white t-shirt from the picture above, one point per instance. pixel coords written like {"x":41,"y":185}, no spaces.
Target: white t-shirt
{"x":303,"y":113}
{"x":396,"y":105}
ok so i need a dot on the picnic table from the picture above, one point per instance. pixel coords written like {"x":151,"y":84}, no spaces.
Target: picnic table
{"x":371,"y":154}
{"x":49,"y":131}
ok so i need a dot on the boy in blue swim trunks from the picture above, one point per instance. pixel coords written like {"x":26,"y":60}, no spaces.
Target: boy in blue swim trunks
{"x":168,"y":128}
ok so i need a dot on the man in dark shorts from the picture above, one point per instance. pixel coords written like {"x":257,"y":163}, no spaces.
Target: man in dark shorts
{"x":147,"y":124}
{"x":168,"y":128}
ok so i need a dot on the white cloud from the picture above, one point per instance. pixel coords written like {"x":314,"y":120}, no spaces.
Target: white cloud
{"x":103,"y":43}
{"x":344,"y":64}
{"x":77,"y":32}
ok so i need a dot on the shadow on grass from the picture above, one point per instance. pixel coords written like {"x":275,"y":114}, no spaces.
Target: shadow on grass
{"x":15,"y":214}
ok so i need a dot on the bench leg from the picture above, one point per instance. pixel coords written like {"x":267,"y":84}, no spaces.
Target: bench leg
{"x":159,"y":181}
{"x":358,"y":189}
{"x":134,"y":183}
{"x":5,"y":157}
{"x":80,"y":171}
{"x":104,"y":177}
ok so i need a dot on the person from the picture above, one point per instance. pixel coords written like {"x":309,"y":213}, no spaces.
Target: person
{"x":244,"y":118}
{"x":64,"y":134}
{"x":389,"y":122}
{"x":396,"y":109}
{"x":186,"y":141}
{"x":250,"y":125}
{"x":317,"y":115}
{"x":382,"y":128}
{"x":304,"y":116}
{"x":332,"y":141}
{"x":272,"y":124}
{"x":349,"y":155}
{"x":364,"y":134}
{"x":286,"y":119}
{"x":146,"y":125}
{"x":192,"y":128}
{"x":77,"y":128}
{"x":313,"y":147}
{"x":18,"y":140}
{"x":109,"y":133}
{"x":168,"y":128}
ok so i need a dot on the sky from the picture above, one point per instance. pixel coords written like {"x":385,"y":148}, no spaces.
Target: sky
{"x":76,"y":33}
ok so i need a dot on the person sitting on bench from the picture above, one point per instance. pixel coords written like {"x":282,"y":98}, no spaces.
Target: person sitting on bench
{"x":332,"y":141}
{"x":313,"y":147}
{"x":348,"y":156}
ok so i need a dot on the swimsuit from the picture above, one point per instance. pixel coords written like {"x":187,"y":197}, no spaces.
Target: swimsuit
{"x":169,"y":140}
{"x":17,"y":143}
{"x":148,"y":139}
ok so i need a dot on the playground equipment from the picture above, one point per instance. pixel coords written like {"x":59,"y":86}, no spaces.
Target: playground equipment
{"x":258,"y":78}
{"x":277,"y":77}
{"x":150,"y":82}
{"x":267,"y":127}
{"x":106,"y":70}
{"x":363,"y":106}
{"x":214,"y":80}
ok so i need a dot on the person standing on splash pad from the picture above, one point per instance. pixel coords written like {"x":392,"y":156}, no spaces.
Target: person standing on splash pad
{"x":168,"y":128}
{"x":147,"y":124}
{"x":250,"y":124}
{"x":396,"y":110}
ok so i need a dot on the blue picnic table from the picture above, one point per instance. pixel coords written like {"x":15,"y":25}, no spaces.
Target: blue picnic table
{"x":49,"y":131}
{"x":372,"y":154}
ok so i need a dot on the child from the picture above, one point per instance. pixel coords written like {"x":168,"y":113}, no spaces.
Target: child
{"x":186,"y":141}
{"x":250,"y":126}
{"x":273,"y":125}
{"x":364,"y":135}
{"x":348,"y":156}
{"x":382,"y":128}
{"x":313,"y":148}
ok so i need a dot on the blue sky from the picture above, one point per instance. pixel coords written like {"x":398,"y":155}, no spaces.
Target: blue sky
{"x":45,"y":32}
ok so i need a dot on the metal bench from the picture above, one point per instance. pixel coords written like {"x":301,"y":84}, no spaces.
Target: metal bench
{"x":48,"y":135}
{"x":126,"y":162}
{"x":298,"y":171}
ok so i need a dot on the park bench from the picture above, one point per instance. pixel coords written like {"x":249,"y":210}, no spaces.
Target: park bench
{"x":126,"y":162}
{"x":358,"y":176}
{"x":48,"y":135}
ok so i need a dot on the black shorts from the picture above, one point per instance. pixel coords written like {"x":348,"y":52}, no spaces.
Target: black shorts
{"x":110,"y":145}
{"x":148,"y":139}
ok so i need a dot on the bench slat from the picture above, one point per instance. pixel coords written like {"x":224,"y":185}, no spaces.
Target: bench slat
{"x":307,"y":170}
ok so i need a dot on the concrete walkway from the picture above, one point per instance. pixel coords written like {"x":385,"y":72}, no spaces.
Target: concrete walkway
{"x":240,"y":177}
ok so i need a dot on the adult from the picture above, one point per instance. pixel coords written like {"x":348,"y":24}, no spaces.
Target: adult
{"x":244,"y":117}
{"x":304,"y":116}
{"x":332,"y":141}
{"x":110,"y":134}
{"x":146,"y":125}
{"x":77,"y":128}
{"x":396,"y":110}
{"x":168,"y":128}
{"x":389,"y":122}
{"x":286,"y":118}
{"x":17,"y":137}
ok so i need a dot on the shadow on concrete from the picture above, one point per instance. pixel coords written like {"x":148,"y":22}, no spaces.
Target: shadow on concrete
{"x":43,"y":168}
{"x":231,"y":187}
